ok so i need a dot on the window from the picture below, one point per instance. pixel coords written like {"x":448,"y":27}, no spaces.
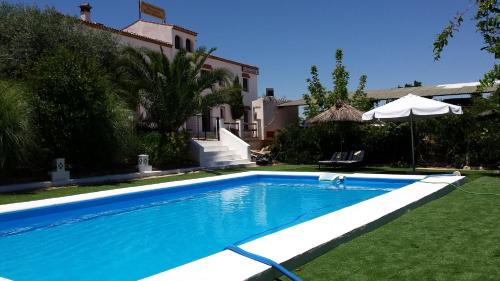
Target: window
{"x":245,"y":84}
{"x":188,"y":45}
{"x":222,"y":83}
{"x":222,"y":112}
{"x":177,"y":42}
{"x":204,"y":72}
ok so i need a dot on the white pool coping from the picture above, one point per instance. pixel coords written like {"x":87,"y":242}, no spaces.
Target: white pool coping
{"x":288,"y":245}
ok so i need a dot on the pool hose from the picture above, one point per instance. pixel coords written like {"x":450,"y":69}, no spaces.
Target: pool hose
{"x":456,"y":185}
{"x":264,"y":260}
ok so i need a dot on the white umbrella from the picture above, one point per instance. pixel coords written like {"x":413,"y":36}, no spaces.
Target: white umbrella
{"x":411,"y":107}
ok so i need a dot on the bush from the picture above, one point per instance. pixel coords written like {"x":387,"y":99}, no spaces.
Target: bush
{"x":170,"y":150}
{"x":16,"y":128}
{"x":468,"y":139}
{"x":28,"y":33}
{"x":78,"y":115}
{"x":308,"y":145}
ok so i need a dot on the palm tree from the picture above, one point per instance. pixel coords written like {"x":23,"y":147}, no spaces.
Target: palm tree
{"x":172,"y":91}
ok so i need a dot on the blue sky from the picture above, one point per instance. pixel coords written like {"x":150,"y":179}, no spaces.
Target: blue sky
{"x":388,"y":40}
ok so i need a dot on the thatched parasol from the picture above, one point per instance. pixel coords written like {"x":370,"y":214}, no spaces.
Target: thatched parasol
{"x":341,"y":111}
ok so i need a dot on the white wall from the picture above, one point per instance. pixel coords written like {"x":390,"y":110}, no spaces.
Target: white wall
{"x":273,"y":118}
{"x":160,"y":32}
{"x":166,"y":33}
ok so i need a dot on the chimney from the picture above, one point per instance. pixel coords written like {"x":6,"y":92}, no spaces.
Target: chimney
{"x":269,"y":92}
{"x":85,"y":12}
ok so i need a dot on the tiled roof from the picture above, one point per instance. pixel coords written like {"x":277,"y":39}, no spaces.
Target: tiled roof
{"x":155,"y":41}
{"x":124,"y":33}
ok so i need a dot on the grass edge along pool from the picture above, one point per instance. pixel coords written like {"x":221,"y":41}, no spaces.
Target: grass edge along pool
{"x":27,"y":216}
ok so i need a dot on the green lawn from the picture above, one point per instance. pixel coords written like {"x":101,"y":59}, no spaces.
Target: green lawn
{"x":456,"y":237}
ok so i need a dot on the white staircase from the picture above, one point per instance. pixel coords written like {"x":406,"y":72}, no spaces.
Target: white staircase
{"x":212,"y":153}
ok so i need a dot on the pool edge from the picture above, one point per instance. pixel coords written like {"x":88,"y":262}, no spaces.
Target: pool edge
{"x":226,"y":265}
{"x":249,"y":269}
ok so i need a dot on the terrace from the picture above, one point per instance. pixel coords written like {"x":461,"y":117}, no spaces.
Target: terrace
{"x":443,"y":238}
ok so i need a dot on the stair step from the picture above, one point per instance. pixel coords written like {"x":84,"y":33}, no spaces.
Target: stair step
{"x":215,"y":148}
{"x":232,"y":162}
{"x":208,"y":143}
{"x":230,"y":157}
{"x":218,"y":153}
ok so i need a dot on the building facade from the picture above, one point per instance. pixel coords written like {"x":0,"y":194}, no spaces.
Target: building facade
{"x":170,"y":39}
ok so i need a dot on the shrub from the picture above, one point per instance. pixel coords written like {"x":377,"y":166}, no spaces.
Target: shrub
{"x":78,"y":115}
{"x":28,"y":33}
{"x":16,"y":134}
{"x":468,"y":139}
{"x":167,"y":150}
{"x":308,"y":145}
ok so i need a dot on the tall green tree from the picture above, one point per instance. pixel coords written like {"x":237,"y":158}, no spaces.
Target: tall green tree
{"x":340,"y":81}
{"x":316,"y":97}
{"x":78,"y":115}
{"x":487,"y":21}
{"x":29,"y":33}
{"x":235,"y":100}
{"x":172,"y":91}
{"x":359,"y":99}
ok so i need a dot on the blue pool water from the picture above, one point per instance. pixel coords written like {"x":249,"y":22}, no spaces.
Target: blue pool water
{"x":133,"y":236}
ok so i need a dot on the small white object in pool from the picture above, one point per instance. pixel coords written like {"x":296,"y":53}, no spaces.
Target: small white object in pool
{"x":328,"y":176}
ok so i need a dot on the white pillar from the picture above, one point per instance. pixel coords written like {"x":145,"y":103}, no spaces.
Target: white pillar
{"x":143,"y":163}
{"x":240,"y":128}
{"x":60,"y":174}
{"x":221,"y":123}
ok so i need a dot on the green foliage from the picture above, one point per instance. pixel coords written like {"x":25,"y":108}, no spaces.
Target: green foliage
{"x":166,"y":150}
{"x":490,"y":77}
{"x":171,"y":91}
{"x":316,"y":98}
{"x":442,"y":38}
{"x":340,"y":80}
{"x":319,"y":99}
{"x":410,"y":85}
{"x":487,"y":24}
{"x":307,"y":145}
{"x":235,"y":100}
{"x":359,"y":99}
{"x":28,"y":33}
{"x":468,"y":139}
{"x":77,"y":114}
{"x":16,"y":128}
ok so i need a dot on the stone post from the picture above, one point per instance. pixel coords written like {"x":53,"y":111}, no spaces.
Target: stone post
{"x":240,"y":128}
{"x":143,"y":163}
{"x":60,"y":174}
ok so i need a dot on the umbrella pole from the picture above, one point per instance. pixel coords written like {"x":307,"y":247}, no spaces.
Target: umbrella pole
{"x":412,"y":144}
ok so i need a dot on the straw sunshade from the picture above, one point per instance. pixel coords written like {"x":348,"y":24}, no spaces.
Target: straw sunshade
{"x":341,"y":111}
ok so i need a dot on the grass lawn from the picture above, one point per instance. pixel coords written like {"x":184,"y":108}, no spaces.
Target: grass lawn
{"x":456,"y":237}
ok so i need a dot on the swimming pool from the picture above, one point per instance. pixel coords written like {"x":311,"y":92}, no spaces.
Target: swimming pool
{"x":137,"y":233}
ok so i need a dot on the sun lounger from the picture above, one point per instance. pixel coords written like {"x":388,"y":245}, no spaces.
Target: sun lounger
{"x":337,"y":156}
{"x":355,"y":157}
{"x":344,"y":158}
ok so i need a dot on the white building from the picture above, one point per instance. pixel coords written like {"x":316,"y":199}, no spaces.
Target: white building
{"x":171,"y":38}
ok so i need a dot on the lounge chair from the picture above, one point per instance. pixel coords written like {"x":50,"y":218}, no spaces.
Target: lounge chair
{"x":344,"y":158}
{"x":355,"y":157}
{"x":337,"y":156}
